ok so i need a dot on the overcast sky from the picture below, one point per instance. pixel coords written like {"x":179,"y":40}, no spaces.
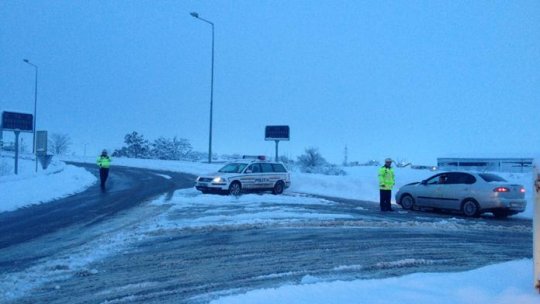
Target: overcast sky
{"x":412,"y":80}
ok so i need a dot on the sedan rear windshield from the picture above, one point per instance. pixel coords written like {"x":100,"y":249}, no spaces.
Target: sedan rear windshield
{"x":488,"y":177}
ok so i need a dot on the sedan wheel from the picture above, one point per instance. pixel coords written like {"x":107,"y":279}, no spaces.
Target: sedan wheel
{"x":470,"y":208}
{"x":407,"y":202}
{"x":235,"y":189}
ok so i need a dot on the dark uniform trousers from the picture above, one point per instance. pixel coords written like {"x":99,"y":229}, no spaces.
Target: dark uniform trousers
{"x":103,"y":175}
{"x":386,"y":197}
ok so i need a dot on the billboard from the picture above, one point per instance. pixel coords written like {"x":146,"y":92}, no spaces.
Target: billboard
{"x":276,"y":133}
{"x":13,"y":121}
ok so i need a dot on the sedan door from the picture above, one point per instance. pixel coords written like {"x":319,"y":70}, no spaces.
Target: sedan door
{"x":457,"y":188}
{"x":429,"y":192}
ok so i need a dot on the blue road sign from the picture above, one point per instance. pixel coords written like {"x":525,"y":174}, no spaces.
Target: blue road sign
{"x":276,"y":133}
{"x":17,"y":121}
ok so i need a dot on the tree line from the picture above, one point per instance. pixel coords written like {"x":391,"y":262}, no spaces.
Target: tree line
{"x":136,"y":146}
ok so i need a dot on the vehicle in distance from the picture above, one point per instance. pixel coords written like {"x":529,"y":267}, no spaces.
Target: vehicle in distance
{"x":467,"y":192}
{"x":246,"y":175}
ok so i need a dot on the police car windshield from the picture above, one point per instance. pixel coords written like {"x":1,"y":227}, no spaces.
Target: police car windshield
{"x":233,"y":168}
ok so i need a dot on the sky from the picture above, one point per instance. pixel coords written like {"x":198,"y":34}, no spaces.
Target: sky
{"x":411,"y":80}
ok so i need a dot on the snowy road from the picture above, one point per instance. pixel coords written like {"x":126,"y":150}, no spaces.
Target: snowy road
{"x":126,"y":188}
{"x":191,"y":248}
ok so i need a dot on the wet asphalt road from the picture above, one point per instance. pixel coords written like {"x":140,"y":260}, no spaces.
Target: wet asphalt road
{"x":197,"y":264}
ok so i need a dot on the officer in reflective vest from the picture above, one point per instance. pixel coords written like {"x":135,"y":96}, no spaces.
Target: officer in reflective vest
{"x":386,"y":182}
{"x":104,"y":163}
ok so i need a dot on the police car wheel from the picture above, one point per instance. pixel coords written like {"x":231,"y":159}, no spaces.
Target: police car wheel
{"x":235,"y":188}
{"x":278,"y":188}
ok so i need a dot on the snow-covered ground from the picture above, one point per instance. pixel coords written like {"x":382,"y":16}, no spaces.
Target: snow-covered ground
{"x":506,"y":283}
{"x":30,"y":187}
{"x":509,"y":282}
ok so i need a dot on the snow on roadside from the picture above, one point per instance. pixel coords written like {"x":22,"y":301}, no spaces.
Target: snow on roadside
{"x":505,"y":283}
{"x":191,"y":209}
{"x":28,"y":188}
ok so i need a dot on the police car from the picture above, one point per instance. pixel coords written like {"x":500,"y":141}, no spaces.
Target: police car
{"x":247,"y":174}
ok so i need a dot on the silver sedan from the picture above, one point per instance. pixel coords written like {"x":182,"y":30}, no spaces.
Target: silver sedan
{"x":470,"y":193}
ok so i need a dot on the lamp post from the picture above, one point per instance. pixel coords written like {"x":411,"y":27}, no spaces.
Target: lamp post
{"x":196,"y":15}
{"x":35,"y":110}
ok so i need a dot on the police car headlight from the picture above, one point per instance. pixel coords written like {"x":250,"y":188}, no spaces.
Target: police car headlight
{"x":219,"y":180}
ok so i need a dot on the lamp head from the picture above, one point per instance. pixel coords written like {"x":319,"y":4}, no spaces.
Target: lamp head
{"x":194,"y":14}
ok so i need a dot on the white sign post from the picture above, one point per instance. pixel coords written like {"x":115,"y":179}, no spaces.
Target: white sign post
{"x":536,"y":226}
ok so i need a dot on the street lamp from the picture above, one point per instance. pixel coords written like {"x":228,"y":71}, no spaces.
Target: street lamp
{"x":35,"y":111}
{"x":196,"y":15}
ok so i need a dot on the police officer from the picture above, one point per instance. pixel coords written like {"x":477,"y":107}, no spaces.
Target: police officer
{"x":104,"y":163}
{"x":386,"y":182}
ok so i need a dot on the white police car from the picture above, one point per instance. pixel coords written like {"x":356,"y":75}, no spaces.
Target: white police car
{"x":244,"y":175}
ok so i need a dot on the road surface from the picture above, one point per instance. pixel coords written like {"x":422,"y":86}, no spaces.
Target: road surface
{"x":116,"y":253}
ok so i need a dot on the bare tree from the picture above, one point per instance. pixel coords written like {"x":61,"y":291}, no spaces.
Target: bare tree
{"x":59,"y":143}
{"x":402,"y":163}
{"x":311,"y":159}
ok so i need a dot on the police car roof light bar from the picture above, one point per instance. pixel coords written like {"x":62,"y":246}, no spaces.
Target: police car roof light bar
{"x":259,"y":157}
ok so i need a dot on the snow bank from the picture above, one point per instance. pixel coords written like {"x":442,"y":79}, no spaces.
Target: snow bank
{"x":28,"y":187}
{"x":506,"y":283}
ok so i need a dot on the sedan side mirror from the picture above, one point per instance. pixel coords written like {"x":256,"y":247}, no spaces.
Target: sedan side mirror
{"x":424,"y":182}
{"x":248,"y":171}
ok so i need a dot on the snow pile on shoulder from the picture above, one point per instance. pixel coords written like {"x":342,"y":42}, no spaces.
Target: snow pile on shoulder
{"x":505,"y":283}
{"x":28,"y":187}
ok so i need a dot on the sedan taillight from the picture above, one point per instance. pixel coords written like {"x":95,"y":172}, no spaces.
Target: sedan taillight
{"x":501,"y":189}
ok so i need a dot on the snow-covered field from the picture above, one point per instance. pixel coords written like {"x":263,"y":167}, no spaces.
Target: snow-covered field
{"x":509,"y":282}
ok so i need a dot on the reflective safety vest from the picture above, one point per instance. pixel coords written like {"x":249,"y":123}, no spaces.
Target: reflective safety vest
{"x":386,"y":178}
{"x":104,"y":162}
